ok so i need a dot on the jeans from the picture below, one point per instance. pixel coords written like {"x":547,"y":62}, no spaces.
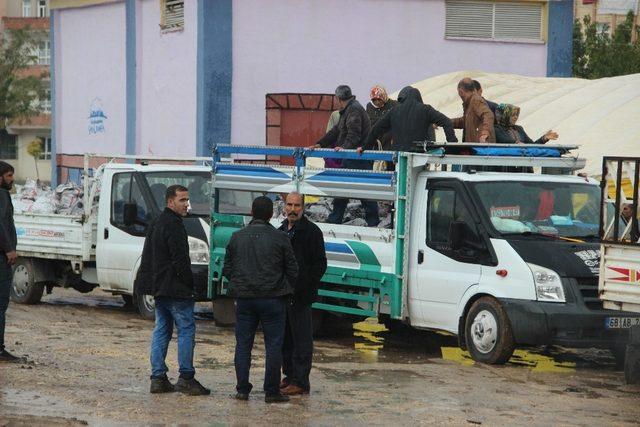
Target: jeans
{"x":168,"y":312}
{"x":6,"y":278}
{"x":297,"y":350}
{"x":271,"y":313}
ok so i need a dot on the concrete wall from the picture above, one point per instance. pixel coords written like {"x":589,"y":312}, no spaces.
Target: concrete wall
{"x":293,"y":46}
{"x":90,"y":77}
{"x":166,"y":79}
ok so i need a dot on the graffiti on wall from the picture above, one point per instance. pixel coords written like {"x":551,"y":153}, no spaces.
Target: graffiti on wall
{"x":96,"y":117}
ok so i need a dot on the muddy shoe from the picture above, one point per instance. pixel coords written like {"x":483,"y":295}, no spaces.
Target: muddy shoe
{"x":191,"y":387}
{"x":276,"y":398}
{"x":293,"y":390}
{"x":161,"y":385}
{"x":284,"y":383}
{"x":5,"y":356}
{"x":241,"y":396}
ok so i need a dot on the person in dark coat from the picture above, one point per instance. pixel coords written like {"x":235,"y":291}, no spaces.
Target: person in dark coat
{"x":508,"y":132}
{"x":8,"y":255}
{"x":261,"y":268}
{"x":165,"y":273}
{"x":349,"y":134}
{"x":492,"y":105}
{"x":410,"y":121}
{"x":308,"y":247}
{"x":379,"y":106}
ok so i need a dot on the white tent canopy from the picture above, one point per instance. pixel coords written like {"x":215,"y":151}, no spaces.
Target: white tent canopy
{"x":602,"y":116}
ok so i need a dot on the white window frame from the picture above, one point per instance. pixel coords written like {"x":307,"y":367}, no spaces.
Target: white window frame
{"x":26,"y":8}
{"x":43,"y":9}
{"x":172,"y":15}
{"x":44,"y":52}
{"x":538,"y":40}
{"x":46,"y":148}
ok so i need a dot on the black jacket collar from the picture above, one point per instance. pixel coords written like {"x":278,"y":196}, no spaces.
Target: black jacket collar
{"x":301,"y":224}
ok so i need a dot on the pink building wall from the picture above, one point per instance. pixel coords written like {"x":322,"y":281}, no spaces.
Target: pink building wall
{"x":90,"y":75}
{"x":166,"y":92}
{"x":313,"y":46}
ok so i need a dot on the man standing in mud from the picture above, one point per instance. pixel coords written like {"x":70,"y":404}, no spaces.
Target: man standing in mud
{"x":308,"y":246}
{"x":261,"y":268}
{"x":8,"y":256}
{"x":165,"y":273}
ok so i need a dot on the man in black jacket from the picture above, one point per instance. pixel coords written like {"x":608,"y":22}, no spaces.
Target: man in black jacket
{"x":165,"y":273}
{"x":410,"y":121}
{"x":8,"y":256}
{"x":349,"y":134}
{"x":308,"y":246}
{"x":261,"y":268}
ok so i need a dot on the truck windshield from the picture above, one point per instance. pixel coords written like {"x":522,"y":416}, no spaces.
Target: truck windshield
{"x":541,"y":208}
{"x":198,"y":184}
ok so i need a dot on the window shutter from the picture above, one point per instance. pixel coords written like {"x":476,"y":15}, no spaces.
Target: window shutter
{"x":469,"y":19}
{"x":518,"y":21}
{"x":174,"y":14}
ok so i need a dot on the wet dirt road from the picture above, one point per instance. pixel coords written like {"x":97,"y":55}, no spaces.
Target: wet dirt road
{"x":87,"y":362}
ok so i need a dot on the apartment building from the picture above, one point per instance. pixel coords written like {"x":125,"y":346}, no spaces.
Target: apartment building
{"x":32,"y":14}
{"x":607,"y":14}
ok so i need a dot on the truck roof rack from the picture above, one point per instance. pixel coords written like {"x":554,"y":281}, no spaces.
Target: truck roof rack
{"x":259,"y":170}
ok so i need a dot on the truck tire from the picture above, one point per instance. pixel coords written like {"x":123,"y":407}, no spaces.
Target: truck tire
{"x":146,"y":306}
{"x":488,"y":332}
{"x":24,"y":288}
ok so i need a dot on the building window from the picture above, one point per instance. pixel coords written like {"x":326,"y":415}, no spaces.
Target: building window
{"x":26,"y":8}
{"x":43,"y":10}
{"x":494,"y":20}
{"x":172,"y":16}
{"x":8,"y":146}
{"x":46,"y":148}
{"x":44,"y":52}
{"x":45,"y":104}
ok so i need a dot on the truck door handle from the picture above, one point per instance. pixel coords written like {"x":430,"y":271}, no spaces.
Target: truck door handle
{"x":420,"y":256}
{"x":106,"y":233}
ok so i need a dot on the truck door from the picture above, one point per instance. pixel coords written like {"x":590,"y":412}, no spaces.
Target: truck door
{"x":442,"y":273}
{"x":119,"y":246}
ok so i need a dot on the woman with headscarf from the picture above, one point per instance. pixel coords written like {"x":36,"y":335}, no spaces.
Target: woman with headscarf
{"x":507,"y":132}
{"x":379,"y":106}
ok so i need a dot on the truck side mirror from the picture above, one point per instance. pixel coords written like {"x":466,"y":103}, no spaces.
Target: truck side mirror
{"x":457,"y":231}
{"x":130,"y":213}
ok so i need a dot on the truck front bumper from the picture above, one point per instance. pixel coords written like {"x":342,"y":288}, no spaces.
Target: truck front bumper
{"x":200,"y":281}
{"x":568,"y":324}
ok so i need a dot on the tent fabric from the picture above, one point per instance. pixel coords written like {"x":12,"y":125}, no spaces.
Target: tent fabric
{"x":601,"y":116}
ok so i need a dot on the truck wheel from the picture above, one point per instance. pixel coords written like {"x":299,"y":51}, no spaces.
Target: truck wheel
{"x":146,"y":306}
{"x":488,"y":332}
{"x":24,"y":289}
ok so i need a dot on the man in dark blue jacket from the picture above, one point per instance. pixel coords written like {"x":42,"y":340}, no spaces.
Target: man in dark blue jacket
{"x":261,"y":268}
{"x":8,"y":256}
{"x":165,"y":273}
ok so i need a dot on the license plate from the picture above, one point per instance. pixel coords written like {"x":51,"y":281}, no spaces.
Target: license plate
{"x":621,"y":322}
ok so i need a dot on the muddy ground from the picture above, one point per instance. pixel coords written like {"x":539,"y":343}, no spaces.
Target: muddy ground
{"x":87,"y":363}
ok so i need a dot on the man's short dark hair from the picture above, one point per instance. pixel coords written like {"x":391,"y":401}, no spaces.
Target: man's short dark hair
{"x":262,"y":208}
{"x":343,"y":92}
{"x":172,"y":191}
{"x":467,"y":85}
{"x":5,"y":167}
{"x":476,"y":85}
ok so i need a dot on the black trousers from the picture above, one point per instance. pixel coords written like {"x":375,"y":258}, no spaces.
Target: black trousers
{"x":297,"y":350}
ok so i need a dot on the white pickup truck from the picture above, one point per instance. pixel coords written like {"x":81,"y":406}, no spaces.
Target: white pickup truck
{"x":619,"y":284}
{"x":500,"y":259}
{"x":103,"y":246}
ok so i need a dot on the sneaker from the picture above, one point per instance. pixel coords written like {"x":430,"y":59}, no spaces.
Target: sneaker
{"x":161,"y":385}
{"x":5,"y":356}
{"x":292,"y":390}
{"x":276,"y":398}
{"x":242,"y":396}
{"x":191,"y":387}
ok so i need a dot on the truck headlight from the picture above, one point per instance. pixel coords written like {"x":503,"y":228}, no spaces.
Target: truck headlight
{"x":198,"y":251}
{"x":548,"y":284}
